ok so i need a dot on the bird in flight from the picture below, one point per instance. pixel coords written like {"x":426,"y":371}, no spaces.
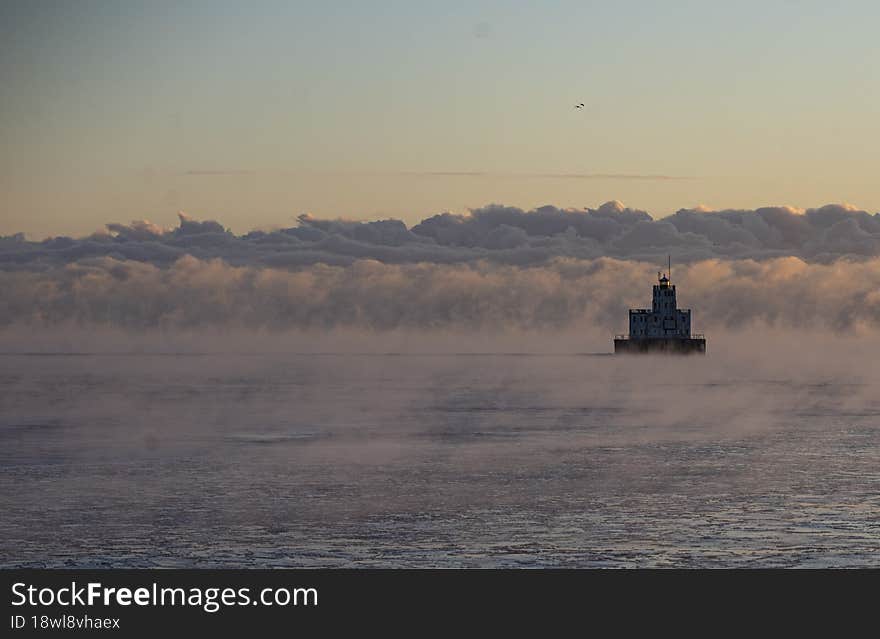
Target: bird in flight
{"x":579,"y":106}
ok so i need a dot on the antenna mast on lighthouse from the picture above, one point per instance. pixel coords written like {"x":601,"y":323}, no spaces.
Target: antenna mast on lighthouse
{"x":669,"y":267}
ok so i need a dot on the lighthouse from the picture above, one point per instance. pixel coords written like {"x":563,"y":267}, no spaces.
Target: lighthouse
{"x":662,"y":328}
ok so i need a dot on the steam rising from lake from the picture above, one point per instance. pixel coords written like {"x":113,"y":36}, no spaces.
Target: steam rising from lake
{"x":367,"y":394}
{"x":764,"y":452}
{"x":196,"y":295}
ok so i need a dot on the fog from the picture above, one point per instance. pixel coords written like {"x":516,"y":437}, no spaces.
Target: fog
{"x":214,"y":409}
{"x":193,"y":295}
{"x":764,"y":450}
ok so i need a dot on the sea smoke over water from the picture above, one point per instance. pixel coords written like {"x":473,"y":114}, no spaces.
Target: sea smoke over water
{"x":763,"y":453}
{"x":276,"y":402}
{"x":192,"y":294}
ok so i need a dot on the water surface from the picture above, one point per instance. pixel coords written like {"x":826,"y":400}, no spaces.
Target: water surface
{"x":267,"y":460}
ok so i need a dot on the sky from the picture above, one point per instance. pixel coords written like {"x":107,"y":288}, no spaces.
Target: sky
{"x":255,"y":113}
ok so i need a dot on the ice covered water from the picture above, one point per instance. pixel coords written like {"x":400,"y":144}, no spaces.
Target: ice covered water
{"x":260,"y":460}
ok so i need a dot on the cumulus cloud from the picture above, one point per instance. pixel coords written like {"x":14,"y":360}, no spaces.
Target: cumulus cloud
{"x":494,"y":233}
{"x":497,"y":267}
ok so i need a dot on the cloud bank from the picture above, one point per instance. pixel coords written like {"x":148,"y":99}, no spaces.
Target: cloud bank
{"x":495,"y":233}
{"x":498,"y":268}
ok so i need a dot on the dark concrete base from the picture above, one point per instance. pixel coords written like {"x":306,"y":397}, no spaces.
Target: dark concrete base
{"x":672,"y":345}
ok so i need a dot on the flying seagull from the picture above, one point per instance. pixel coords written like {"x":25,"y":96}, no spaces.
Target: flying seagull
{"x":579,"y":106}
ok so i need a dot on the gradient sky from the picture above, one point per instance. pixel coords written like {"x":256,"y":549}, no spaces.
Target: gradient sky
{"x":252,"y":113}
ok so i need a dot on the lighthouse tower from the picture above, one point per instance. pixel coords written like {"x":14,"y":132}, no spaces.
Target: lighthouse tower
{"x":663,"y":327}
